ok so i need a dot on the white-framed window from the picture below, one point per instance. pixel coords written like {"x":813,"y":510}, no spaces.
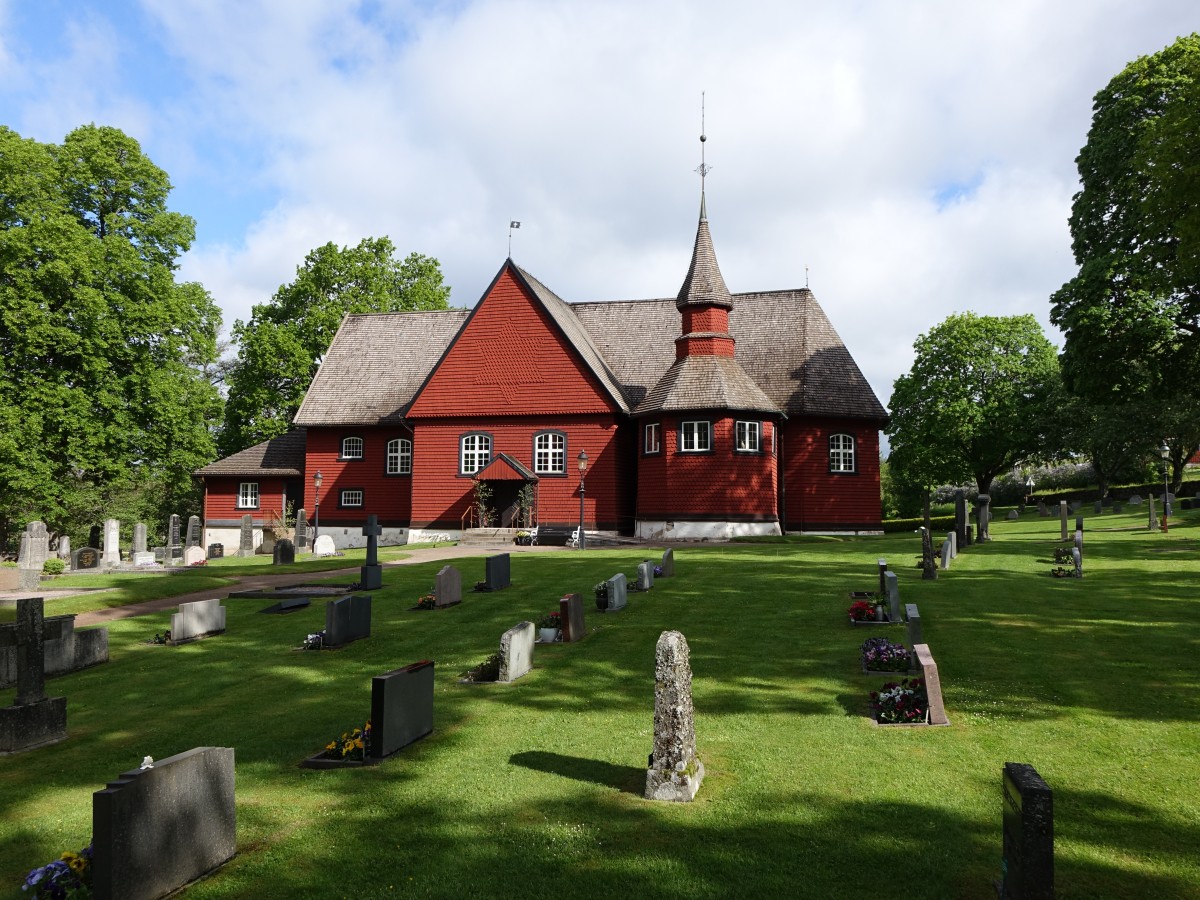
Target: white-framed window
{"x":550,"y":453}
{"x":248,"y":495}
{"x":352,"y":448}
{"x":352,"y":497}
{"x":749,"y":436}
{"x":476,"y":453}
{"x":653,"y":441}
{"x":695,"y":437}
{"x":841,"y":453}
{"x":399,"y":457}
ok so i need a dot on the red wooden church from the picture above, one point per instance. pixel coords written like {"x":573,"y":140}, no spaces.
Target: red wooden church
{"x":708,"y":415}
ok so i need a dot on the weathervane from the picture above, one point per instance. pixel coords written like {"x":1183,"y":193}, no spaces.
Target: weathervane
{"x":513,"y":225}
{"x":703,"y":169}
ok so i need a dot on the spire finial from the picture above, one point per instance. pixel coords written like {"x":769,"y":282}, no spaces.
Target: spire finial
{"x":703,"y":169}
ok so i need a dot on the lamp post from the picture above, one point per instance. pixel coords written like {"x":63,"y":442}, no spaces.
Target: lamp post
{"x":582,"y":460}
{"x":1165,"y":452}
{"x":317,"y":479}
{"x":1028,"y":490}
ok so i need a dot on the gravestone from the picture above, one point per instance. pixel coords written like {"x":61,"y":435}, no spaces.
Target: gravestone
{"x":497,"y":572}
{"x":1151,"y":519}
{"x":570,"y":617}
{"x":617,"y":595}
{"x":516,"y":651}
{"x":401,"y":708}
{"x":952,"y":537}
{"x":1027,"y":864}
{"x":1062,"y":515}
{"x":668,"y":563}
{"x":960,"y":517}
{"x":645,"y":576}
{"x":1077,"y":558}
{"x":216,"y":551}
{"x":33,"y":720}
{"x":196,"y":620}
{"x":174,"y":541}
{"x":912,"y":619}
{"x":983,"y":516}
{"x":139,"y":537}
{"x":94,"y":537}
{"x":301,"y":530}
{"x":112,"y":542}
{"x":945,"y":558}
{"x":63,"y":648}
{"x":928,"y":567}
{"x":892,"y":591}
{"x":160,"y":554}
{"x":158,"y":828}
{"x":1042,"y":510}
{"x":1098,"y":507}
{"x":1135,"y":500}
{"x":1012,"y":515}
{"x":246,"y":537}
{"x":1074,"y":506}
{"x":347,"y":620}
{"x":674,"y":771}
{"x":85,"y":558}
{"x":193,"y":556}
{"x":193,"y":531}
{"x":324,"y":546}
{"x":447,"y":587}
{"x":284,"y":553}
{"x":933,"y":684}
{"x":64,"y":549}
{"x":1079,"y":523}
{"x":1118,"y":507}
{"x":882,"y":565}
{"x":370,"y":575}
{"x":32,"y":554}
{"x":970,"y":535}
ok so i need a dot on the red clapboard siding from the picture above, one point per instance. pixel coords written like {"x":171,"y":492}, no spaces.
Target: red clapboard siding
{"x":717,"y":485}
{"x":221,"y":496}
{"x":510,"y":360}
{"x":441,"y":495}
{"x":387,"y":496}
{"x":817,"y":498}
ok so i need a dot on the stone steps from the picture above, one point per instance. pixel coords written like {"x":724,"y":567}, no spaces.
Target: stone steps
{"x":488,"y":536}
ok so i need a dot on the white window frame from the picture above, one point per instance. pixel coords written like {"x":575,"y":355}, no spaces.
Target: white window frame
{"x":652,"y":443}
{"x":474,"y":452}
{"x":550,"y":453}
{"x":348,"y":496}
{"x":247,"y":495}
{"x":698,"y":434}
{"x":842,"y":455}
{"x":352,"y":448}
{"x":399,"y":457}
{"x":748,"y":436}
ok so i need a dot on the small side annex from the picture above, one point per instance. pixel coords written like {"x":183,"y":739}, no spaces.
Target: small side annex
{"x":704,"y":416}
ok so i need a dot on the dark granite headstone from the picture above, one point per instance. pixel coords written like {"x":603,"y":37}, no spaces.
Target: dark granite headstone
{"x":85,"y":558}
{"x":284,"y":553}
{"x":1027,"y":866}
{"x":193,"y":531}
{"x":216,"y":551}
{"x":882,"y":563}
{"x":570,"y":610}
{"x":160,"y":554}
{"x":32,"y":720}
{"x":668,"y":563}
{"x":370,"y":576}
{"x":301,"y":530}
{"x":1098,"y":507}
{"x":347,"y":620}
{"x":174,"y":539}
{"x":401,"y":708}
{"x":497,"y":571}
{"x":1079,"y":523}
{"x":983,"y":515}
{"x":892,"y":591}
{"x":159,"y":828}
{"x":960,"y":517}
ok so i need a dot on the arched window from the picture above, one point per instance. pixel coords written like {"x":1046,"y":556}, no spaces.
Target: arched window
{"x":550,"y":453}
{"x":475,"y":453}
{"x":841,"y":453}
{"x":352,"y":448}
{"x":399,"y":457}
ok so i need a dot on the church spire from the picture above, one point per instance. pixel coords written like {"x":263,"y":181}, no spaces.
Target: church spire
{"x":703,"y":285}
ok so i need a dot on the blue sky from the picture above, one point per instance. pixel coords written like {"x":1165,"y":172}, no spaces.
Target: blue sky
{"x":917,"y":157}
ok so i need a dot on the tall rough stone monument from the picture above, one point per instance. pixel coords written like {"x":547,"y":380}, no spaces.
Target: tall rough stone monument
{"x":675,"y":771}
{"x":983,"y":515}
{"x":928,"y":567}
{"x":31,"y":555}
{"x":960,"y":517}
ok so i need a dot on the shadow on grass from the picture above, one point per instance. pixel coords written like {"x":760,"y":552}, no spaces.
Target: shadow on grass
{"x":629,"y":779}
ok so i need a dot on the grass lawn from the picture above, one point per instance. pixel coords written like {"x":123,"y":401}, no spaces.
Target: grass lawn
{"x":534,"y":789}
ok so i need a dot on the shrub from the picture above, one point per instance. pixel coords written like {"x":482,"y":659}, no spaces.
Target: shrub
{"x":936,"y":524}
{"x":53,"y":566}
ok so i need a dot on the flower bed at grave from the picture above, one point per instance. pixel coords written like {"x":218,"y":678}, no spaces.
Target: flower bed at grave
{"x":488,"y":670}
{"x":862,"y":611}
{"x":314,"y":641}
{"x":1063,"y":555}
{"x":164,"y":638}
{"x":68,"y":876}
{"x":901,"y":703}
{"x":1059,"y":572}
{"x":881,"y":655}
{"x":352,"y":746}
{"x":427,"y":601}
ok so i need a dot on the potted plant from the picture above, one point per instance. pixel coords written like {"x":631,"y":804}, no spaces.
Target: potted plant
{"x":548,"y":628}
{"x":862,"y":611}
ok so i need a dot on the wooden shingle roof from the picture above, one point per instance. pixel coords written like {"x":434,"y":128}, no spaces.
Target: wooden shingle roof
{"x":281,"y":456}
{"x":703,"y":285}
{"x":705,"y":382}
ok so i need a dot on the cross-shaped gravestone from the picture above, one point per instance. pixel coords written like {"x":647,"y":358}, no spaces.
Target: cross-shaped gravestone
{"x":33,"y":719}
{"x":370,"y":576}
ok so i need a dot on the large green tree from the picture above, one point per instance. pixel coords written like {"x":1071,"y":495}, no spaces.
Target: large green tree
{"x":1132,"y":314}
{"x":282,"y":345}
{"x":106,"y":410}
{"x":975,"y":402}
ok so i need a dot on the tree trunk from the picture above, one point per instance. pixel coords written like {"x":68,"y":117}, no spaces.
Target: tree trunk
{"x":925,"y":505}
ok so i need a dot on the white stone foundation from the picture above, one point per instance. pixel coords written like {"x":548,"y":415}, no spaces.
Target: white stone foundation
{"x":679,"y":530}
{"x":429,"y":535}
